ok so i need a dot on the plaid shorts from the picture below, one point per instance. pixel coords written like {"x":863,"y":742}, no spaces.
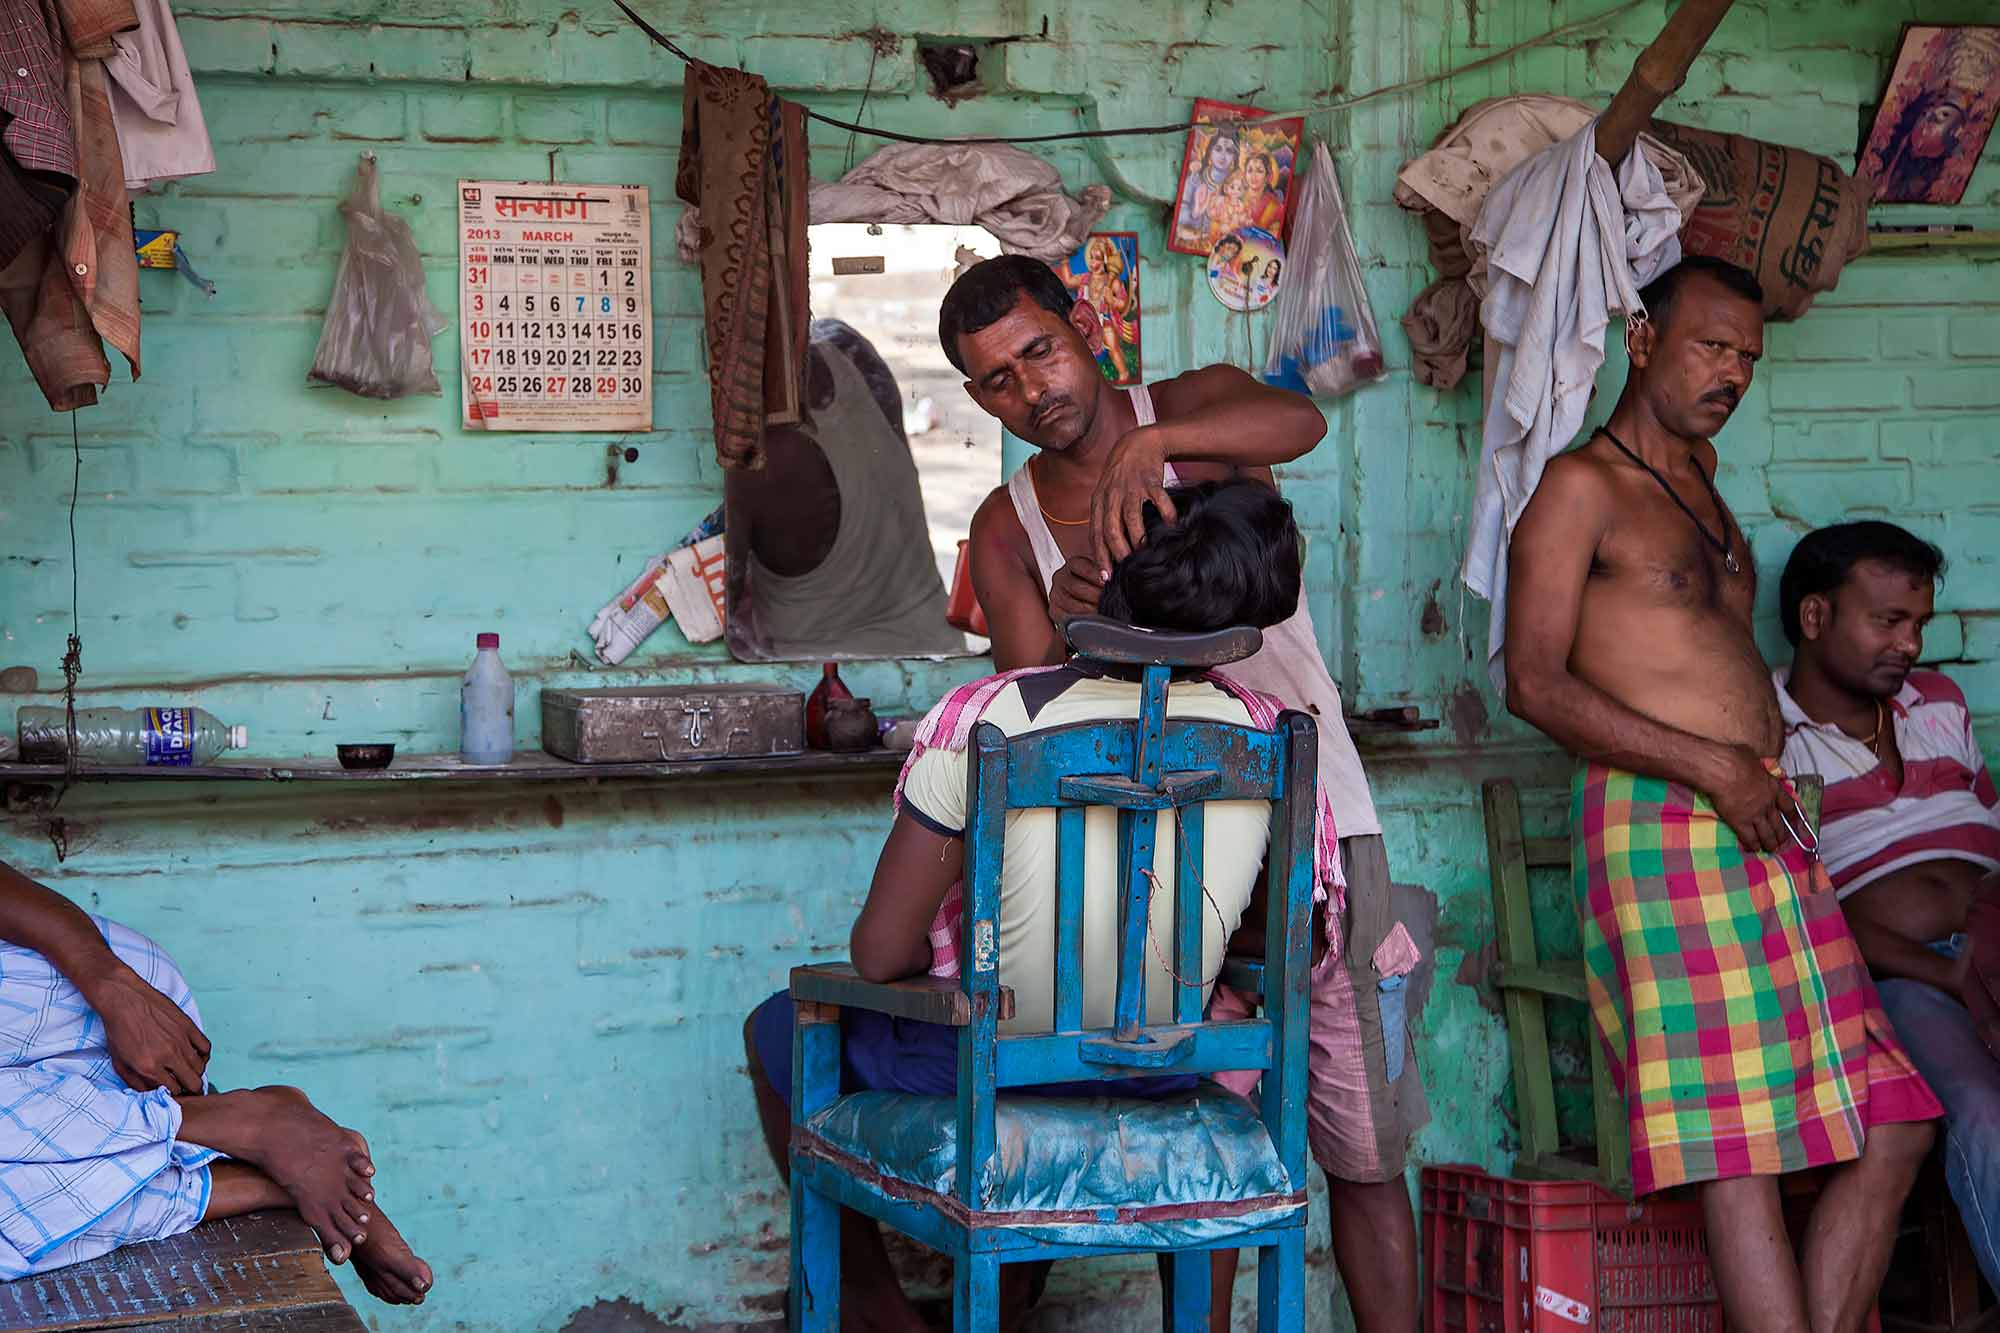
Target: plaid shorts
{"x":1364,"y":1095}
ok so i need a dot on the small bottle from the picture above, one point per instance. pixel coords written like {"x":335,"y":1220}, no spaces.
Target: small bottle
{"x":486,"y":707}
{"x":830,"y":687}
{"x":153,"y":737}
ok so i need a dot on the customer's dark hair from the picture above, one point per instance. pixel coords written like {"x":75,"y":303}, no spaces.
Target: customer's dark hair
{"x":1230,"y":558}
{"x":1822,"y":561}
{"x":1659,"y":295}
{"x":989,"y":289}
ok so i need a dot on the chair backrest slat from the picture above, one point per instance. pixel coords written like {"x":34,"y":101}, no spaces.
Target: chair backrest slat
{"x":1288,"y":942}
{"x":1138,"y":839}
{"x":1190,"y":912}
{"x":979,"y":965}
{"x":1069,"y":916}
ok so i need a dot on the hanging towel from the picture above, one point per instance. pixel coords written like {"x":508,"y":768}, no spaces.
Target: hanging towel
{"x":743,"y":162}
{"x":161,"y":133}
{"x":1566,"y":246}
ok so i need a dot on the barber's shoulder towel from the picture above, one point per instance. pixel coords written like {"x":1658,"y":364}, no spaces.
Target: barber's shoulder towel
{"x":1739,"y":1021}
{"x":86,"y":1163}
{"x":949,"y":725}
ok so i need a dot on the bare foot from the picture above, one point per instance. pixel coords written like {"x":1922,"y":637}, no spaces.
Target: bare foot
{"x":324,"y":1168}
{"x":388,"y":1268}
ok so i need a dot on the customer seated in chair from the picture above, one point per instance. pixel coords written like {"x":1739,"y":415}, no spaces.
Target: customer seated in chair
{"x":1230,"y":558}
{"x":112,"y":1134}
{"x":1909,"y":828}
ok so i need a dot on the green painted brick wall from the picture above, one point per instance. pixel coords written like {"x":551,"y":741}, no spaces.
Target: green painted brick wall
{"x":529,"y":997}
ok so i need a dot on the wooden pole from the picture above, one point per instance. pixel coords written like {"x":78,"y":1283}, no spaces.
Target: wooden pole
{"x":1659,"y":70}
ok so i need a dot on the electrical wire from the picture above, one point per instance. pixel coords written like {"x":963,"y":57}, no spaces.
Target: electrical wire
{"x":72,"y":664}
{"x":1181,"y":127}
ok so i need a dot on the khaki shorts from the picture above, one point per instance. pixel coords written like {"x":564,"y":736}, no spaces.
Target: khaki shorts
{"x":1364,"y":1096}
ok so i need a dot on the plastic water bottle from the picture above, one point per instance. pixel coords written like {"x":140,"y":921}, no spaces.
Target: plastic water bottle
{"x":158,"y":737}
{"x":486,"y":708}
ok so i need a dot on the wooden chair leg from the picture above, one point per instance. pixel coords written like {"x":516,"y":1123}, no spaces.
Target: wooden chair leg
{"x":975,"y":1293}
{"x":1281,"y":1285}
{"x":815,"y":1296}
{"x":1184,"y":1303}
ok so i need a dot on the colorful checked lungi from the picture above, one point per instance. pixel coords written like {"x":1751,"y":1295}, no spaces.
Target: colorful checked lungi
{"x":1738,"y":1018}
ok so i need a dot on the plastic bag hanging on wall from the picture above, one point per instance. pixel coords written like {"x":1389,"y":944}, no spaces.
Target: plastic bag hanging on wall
{"x":379,"y":324}
{"x":1323,"y":338}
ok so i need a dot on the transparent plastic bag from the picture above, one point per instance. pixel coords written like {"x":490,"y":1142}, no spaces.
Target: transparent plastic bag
{"x":377,"y":337}
{"x":1323,"y":338}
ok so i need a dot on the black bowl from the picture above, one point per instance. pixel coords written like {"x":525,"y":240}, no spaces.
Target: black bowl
{"x":365,"y":756}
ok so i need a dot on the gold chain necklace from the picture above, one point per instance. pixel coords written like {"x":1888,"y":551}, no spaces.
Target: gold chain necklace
{"x":1875,"y":736}
{"x":1059,"y":522}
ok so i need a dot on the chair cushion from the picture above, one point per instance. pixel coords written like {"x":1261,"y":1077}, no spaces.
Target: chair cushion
{"x":1196,"y":1165}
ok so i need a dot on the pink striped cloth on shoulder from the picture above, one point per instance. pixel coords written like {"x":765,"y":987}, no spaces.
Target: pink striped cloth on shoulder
{"x":949,"y":725}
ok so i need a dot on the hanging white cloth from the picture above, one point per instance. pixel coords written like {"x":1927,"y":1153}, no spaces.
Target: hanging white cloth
{"x":1013,"y":194}
{"x":161,"y":133}
{"x":1566,"y":246}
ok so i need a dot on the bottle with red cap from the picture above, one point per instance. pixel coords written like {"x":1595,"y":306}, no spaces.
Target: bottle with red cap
{"x":486,"y":708}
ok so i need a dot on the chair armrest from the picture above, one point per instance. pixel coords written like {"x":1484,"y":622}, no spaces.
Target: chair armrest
{"x":1246,"y":974}
{"x":926,"y":999}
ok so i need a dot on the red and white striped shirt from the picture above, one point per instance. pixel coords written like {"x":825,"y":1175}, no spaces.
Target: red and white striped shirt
{"x":1947,"y":807}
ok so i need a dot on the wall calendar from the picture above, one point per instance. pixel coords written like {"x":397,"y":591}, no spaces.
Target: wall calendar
{"x":555,"y":306}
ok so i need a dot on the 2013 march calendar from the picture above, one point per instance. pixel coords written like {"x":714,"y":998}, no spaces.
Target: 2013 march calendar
{"x":555,"y":306}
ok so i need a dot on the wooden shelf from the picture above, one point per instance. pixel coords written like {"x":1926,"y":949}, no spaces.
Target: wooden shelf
{"x":540,"y":767}
{"x":1908,"y":242}
{"x":534,"y":767}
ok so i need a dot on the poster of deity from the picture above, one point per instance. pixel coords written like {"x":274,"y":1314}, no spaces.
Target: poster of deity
{"x":1233,"y":176}
{"x":1105,"y":272}
{"x":1935,"y":114}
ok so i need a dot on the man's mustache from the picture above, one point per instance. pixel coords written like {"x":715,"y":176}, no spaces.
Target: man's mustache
{"x":1047,"y":408}
{"x":1724,"y":395}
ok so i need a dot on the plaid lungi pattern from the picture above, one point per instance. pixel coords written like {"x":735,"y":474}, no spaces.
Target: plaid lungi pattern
{"x":1736,"y":1013}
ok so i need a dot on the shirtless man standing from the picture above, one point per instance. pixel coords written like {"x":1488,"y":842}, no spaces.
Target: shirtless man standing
{"x":1042,"y":547}
{"x":1733,"y":1004}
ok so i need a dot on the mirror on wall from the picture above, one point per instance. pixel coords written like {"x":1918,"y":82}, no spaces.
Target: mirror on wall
{"x":844,"y":544}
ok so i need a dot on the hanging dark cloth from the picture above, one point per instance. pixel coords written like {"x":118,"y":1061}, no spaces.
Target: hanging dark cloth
{"x":743,"y":163}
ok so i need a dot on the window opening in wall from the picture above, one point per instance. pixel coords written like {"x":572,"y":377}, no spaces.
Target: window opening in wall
{"x":956,"y":446}
{"x":845,"y":545}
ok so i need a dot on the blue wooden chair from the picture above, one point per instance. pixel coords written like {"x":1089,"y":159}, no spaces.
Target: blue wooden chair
{"x":991,"y":1179}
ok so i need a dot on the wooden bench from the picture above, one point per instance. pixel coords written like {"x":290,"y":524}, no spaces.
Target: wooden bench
{"x":259,"y":1271}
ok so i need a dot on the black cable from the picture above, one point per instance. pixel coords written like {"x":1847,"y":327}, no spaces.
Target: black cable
{"x":1180,"y":127}
{"x":72,"y":666}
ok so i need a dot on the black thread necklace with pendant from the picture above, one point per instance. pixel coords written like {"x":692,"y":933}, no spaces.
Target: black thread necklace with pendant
{"x":1728,"y":556}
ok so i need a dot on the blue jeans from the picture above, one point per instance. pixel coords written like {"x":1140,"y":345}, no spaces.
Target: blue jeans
{"x":1938,"y":1033}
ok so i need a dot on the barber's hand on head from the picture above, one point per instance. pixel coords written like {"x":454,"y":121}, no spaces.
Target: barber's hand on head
{"x":1134,"y":473}
{"x":1075,"y":590}
{"x":152,"y":1043}
{"x":1749,"y":798}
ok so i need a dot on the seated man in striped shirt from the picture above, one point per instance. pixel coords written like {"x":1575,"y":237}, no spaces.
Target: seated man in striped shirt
{"x":1910,"y":826}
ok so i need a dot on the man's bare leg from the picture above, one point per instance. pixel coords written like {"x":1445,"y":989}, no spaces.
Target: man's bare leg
{"x":1375,"y":1249}
{"x":384,"y":1261}
{"x":1221,"y":1288}
{"x":871,"y":1298}
{"x":1751,"y":1256}
{"x":236,"y":1188}
{"x":1853,"y":1227}
{"x":324,"y":1170}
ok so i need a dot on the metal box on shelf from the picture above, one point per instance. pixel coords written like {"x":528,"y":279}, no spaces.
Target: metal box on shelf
{"x":655,"y":723}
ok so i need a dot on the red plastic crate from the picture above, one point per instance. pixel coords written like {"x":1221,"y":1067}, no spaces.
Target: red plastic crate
{"x":1553,"y":1256}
